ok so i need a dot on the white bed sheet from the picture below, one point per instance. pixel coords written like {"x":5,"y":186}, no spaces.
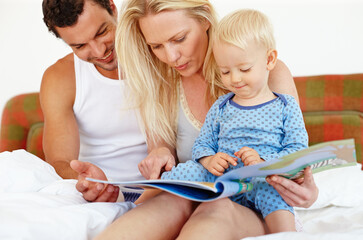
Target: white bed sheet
{"x":35,"y":203}
{"x":330,"y":223}
{"x":338,"y":212}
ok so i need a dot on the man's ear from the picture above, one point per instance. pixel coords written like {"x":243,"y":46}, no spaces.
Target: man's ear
{"x":271,"y":59}
{"x":113,"y":8}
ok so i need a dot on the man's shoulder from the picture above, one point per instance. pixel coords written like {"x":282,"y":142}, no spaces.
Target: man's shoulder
{"x":61,"y":72}
{"x":59,"y":79}
{"x":62,"y":66}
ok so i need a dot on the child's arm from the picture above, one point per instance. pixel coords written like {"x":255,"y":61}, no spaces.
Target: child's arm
{"x":218,"y":163}
{"x":296,"y":137}
{"x":249,"y":156}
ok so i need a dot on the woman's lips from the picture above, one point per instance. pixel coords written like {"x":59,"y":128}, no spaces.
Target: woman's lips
{"x":181,"y":67}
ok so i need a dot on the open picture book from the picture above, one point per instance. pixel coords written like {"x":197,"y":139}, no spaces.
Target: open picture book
{"x":319,"y":157}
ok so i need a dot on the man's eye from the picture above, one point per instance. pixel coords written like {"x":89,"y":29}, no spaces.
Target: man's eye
{"x":79,"y":46}
{"x":102,"y":32}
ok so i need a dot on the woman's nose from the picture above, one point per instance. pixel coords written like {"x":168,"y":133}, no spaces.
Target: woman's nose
{"x":172,"y":54}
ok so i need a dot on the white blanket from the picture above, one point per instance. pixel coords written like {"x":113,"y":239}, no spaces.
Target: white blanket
{"x":338,"y":212}
{"x":35,"y":203}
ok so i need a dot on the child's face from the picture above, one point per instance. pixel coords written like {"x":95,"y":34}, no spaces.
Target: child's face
{"x":243,"y":72}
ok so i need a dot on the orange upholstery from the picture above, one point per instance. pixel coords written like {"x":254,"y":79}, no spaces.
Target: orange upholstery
{"x":332,"y":106}
{"x":22,"y":125}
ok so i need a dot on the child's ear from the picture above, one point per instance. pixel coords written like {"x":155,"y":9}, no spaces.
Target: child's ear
{"x":271,"y":59}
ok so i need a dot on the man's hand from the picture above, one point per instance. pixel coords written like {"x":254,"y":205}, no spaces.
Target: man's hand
{"x":218,"y":163}
{"x":91,"y":191}
{"x":302,"y":193}
{"x":248,"y":156}
{"x":158,"y":160}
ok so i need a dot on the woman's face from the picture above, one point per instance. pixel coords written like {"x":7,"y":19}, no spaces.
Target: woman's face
{"x":177,"y":40}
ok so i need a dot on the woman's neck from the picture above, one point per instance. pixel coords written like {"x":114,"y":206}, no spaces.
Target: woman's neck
{"x":196,"y":79}
{"x":194,"y":90}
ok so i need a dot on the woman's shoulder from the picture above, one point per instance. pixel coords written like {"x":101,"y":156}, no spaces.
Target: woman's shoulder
{"x":286,"y":98}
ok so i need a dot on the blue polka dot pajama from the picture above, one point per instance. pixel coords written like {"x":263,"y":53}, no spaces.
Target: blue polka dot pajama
{"x":274,"y":129}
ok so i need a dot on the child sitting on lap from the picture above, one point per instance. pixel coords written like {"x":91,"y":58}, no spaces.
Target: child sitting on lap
{"x":251,"y":124}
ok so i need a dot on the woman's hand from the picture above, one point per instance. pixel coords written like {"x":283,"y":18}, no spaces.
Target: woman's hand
{"x":302,"y":193}
{"x":158,"y":160}
{"x":91,"y":191}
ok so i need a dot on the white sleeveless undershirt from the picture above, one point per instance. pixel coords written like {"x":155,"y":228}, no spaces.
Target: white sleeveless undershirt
{"x":110,"y":135}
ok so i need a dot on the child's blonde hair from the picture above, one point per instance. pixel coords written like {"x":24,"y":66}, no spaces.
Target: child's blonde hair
{"x":237,"y":28}
{"x":243,"y":25}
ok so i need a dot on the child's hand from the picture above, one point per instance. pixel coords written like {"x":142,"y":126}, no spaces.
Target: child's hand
{"x":218,"y":163}
{"x":248,"y":156}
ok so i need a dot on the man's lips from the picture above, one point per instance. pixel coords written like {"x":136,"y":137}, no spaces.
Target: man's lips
{"x":107,"y":58}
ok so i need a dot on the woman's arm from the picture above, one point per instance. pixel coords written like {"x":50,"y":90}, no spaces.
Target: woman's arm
{"x":297,"y":194}
{"x":161,"y":157}
{"x":281,"y":81}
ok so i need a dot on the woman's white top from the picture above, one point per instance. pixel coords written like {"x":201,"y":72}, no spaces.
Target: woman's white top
{"x":188,"y":128}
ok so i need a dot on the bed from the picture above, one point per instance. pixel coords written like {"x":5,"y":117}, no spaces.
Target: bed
{"x":35,"y":203}
{"x":338,"y":212}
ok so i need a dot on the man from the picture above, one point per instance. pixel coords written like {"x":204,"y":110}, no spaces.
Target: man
{"x":84,"y":102}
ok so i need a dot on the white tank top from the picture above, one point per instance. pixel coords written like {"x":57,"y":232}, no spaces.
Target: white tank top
{"x":188,"y":128}
{"x":110,"y":136}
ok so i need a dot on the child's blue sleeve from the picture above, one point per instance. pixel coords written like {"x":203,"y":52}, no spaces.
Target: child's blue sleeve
{"x":296,"y":136}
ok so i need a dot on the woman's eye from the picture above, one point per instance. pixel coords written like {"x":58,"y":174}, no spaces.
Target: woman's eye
{"x":180,"y":39}
{"x":224,"y":73}
{"x":155,"y":47}
{"x":245,"y":70}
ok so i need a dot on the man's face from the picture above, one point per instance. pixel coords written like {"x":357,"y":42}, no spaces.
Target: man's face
{"x":92,"y":38}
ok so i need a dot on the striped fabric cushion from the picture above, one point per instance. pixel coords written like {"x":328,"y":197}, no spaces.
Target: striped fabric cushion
{"x":21,"y":113}
{"x":332,"y":106}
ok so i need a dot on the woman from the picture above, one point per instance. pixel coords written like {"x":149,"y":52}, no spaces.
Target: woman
{"x":162,"y":46}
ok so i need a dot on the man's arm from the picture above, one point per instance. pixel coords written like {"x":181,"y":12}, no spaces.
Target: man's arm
{"x":61,"y":137}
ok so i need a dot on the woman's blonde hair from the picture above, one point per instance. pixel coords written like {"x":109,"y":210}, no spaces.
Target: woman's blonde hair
{"x":153,"y":83}
{"x":237,"y":28}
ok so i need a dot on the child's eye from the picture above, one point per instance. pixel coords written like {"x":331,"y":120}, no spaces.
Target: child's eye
{"x":224,"y":73}
{"x":245,"y":70}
